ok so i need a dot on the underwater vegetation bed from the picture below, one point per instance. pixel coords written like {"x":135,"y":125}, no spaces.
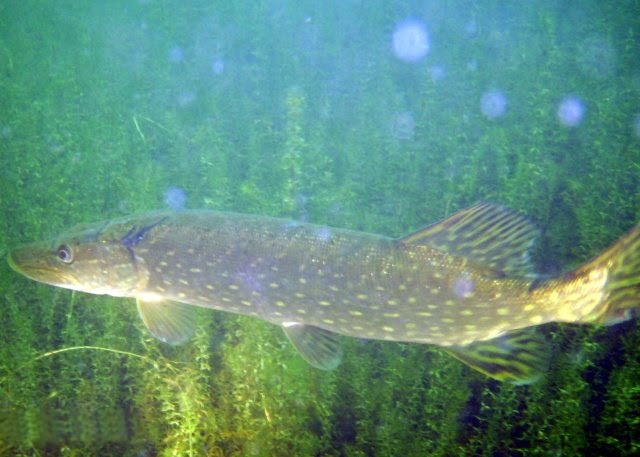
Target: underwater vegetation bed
{"x":380,"y":117}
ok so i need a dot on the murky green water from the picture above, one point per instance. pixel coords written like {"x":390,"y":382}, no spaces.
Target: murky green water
{"x":376,"y":116}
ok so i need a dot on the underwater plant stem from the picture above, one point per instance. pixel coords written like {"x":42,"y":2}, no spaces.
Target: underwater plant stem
{"x":98,"y":348}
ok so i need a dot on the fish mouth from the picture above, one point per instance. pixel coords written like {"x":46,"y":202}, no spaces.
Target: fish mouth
{"x":25,"y":261}
{"x":14,"y":263}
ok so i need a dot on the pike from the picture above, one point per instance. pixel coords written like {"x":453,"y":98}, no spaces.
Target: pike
{"x":465,"y":284}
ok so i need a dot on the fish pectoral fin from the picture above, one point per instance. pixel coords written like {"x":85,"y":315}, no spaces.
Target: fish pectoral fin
{"x":170,"y":322}
{"x":318,"y":347}
{"x":519,"y":357}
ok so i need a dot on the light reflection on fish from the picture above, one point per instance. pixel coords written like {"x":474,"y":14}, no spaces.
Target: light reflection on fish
{"x":464,"y":284}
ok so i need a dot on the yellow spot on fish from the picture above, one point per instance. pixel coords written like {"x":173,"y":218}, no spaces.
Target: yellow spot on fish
{"x":163,"y":263}
{"x":530,"y":307}
{"x":301,"y":311}
{"x":274,"y":285}
{"x":183,"y":281}
{"x":470,"y":327}
{"x":392,"y":302}
{"x":412,"y":300}
{"x":424,"y":314}
{"x":362,"y":296}
{"x":281,"y":304}
{"x":182,"y":295}
{"x":233,"y":287}
{"x":449,"y":302}
{"x":171,"y":253}
{"x":226,"y":299}
{"x":245,"y":302}
{"x":432,"y":307}
{"x":333,"y":288}
{"x":402,"y":287}
{"x":386,"y":328}
{"x":447,"y":320}
{"x":380,"y":288}
{"x":302,"y":281}
{"x":195,"y":270}
{"x":536,"y":319}
{"x":434,"y":291}
{"x":355,"y":313}
{"x":466,"y":312}
{"x":502,"y":311}
{"x":210,"y":287}
{"x":324,"y":303}
{"x":299,"y":295}
{"x":328,"y":321}
{"x":158,"y":269}
{"x":409,"y":325}
{"x":391,"y":315}
{"x":357,"y":328}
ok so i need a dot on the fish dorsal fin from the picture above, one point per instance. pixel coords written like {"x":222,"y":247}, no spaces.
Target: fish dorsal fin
{"x":519,"y":357}
{"x":317,"y":346}
{"x":487,"y":234}
{"x":171,"y":322}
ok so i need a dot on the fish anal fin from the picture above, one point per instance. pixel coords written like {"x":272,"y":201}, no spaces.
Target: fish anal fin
{"x":319,"y":347}
{"x":489,"y":235}
{"x":170,"y":322}
{"x":520,"y":357}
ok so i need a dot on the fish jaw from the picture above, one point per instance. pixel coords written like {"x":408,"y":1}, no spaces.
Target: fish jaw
{"x":35,"y":262}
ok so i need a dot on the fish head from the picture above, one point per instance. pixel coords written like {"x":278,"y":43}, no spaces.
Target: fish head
{"x":94,"y":258}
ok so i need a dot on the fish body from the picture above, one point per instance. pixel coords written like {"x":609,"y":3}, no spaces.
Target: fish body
{"x":464,"y":284}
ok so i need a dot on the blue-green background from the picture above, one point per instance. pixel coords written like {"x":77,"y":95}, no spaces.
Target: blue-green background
{"x":300,"y":109}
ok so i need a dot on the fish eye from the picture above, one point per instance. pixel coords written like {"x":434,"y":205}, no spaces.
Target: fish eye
{"x":65,"y":253}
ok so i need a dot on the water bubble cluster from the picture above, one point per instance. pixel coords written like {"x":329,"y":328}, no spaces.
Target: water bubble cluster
{"x":411,"y":41}
{"x":403,"y":126}
{"x":493,"y":104}
{"x":175,"y":198}
{"x":217,"y":67}
{"x":571,"y":111}
{"x":176,"y":54}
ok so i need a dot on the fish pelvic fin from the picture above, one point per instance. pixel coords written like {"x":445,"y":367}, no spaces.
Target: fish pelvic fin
{"x":520,"y":357}
{"x":621,"y":292}
{"x":319,"y":347}
{"x":487,"y":234}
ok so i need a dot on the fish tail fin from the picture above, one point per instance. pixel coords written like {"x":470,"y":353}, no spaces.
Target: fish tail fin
{"x":623,"y":285}
{"x":618,"y":271}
